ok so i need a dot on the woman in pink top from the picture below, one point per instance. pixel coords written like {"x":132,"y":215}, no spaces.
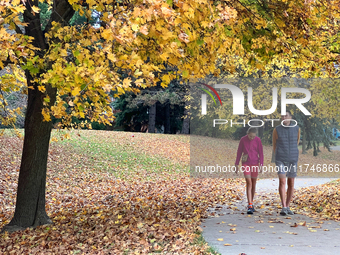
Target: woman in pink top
{"x":250,"y":149}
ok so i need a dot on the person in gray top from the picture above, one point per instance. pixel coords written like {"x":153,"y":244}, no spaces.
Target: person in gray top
{"x":286,"y":154}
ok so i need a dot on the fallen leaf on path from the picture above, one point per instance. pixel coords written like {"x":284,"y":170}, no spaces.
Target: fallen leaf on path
{"x":303,"y":223}
{"x":275,"y":221}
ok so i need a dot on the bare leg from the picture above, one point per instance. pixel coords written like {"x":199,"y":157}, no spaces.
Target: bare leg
{"x":253,"y":188}
{"x":282,"y":189}
{"x":290,"y":190}
{"x":249,"y":188}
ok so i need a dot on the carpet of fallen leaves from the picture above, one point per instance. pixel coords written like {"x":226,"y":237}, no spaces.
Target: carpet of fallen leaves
{"x":171,"y":147}
{"x":322,"y":201}
{"x":94,"y":212}
{"x":148,"y":208}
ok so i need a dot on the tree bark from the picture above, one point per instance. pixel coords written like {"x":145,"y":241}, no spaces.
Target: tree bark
{"x":30,"y":203}
{"x":152,"y":118}
{"x":309,"y":145}
{"x":167,"y":123}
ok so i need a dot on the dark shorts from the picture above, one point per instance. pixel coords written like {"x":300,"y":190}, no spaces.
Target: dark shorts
{"x":287,"y":168}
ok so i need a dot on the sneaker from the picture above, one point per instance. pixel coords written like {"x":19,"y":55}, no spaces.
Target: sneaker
{"x":284,"y":211}
{"x":250,"y":210}
{"x":289,"y":211}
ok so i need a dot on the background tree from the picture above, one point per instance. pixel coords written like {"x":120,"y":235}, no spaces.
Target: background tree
{"x":133,"y":111}
{"x":165,"y":105}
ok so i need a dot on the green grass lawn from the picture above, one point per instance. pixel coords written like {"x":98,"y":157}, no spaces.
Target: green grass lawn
{"x":117,"y":152}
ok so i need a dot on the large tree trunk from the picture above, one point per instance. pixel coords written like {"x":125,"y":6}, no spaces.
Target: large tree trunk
{"x":30,"y":204}
{"x":152,"y":118}
{"x":167,"y":123}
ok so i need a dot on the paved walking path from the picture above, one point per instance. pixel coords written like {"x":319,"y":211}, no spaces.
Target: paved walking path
{"x":335,"y":148}
{"x":231,"y":231}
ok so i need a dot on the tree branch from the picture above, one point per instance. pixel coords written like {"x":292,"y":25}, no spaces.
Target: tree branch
{"x":17,"y":29}
{"x":7,"y":62}
{"x":62,"y":12}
